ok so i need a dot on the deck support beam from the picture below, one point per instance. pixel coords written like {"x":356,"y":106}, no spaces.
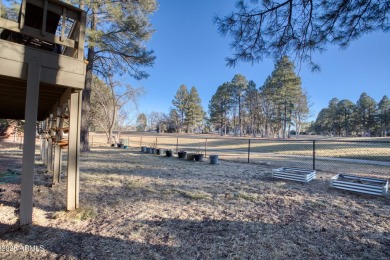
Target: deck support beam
{"x":31,"y":113}
{"x":73,"y":176}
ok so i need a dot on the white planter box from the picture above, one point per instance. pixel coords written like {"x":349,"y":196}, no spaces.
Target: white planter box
{"x":294,"y":174}
{"x":366,"y":185}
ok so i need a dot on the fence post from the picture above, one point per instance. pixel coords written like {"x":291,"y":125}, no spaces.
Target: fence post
{"x":91,"y":140}
{"x":249,"y":149}
{"x":314,"y":154}
{"x":156,"y":141}
{"x":140,"y":144}
{"x":205,"y":148}
{"x":177,"y":144}
{"x":128,"y":141}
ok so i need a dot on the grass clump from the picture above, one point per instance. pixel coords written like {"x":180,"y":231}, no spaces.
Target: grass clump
{"x":134,"y":184}
{"x":242,"y":195}
{"x":194,"y":195}
{"x":78,"y":214}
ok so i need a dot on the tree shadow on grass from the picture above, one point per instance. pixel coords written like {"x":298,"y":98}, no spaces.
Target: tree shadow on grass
{"x":199,"y":239}
{"x":60,"y":243}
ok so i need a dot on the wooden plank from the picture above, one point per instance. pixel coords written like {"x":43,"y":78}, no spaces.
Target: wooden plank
{"x":36,"y":33}
{"x":10,"y":51}
{"x":81,"y":36}
{"x":31,"y":113}
{"x":57,"y":164}
{"x":73,"y":152}
{"x":63,"y":25}
{"x":56,"y":7}
{"x":43,"y":31}
{"x":80,"y":101}
{"x":22,"y":15}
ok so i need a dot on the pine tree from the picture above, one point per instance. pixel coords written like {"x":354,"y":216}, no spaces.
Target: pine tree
{"x":174,"y":121}
{"x":345,"y":109}
{"x":284,"y":87}
{"x":365,"y":108}
{"x":193,"y":111}
{"x":239,"y":85}
{"x":115,"y":36}
{"x":384,"y":114}
{"x":253,"y":106}
{"x":220,"y":105}
{"x":180,"y":102}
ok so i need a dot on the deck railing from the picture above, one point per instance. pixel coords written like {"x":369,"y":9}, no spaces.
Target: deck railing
{"x":47,"y":24}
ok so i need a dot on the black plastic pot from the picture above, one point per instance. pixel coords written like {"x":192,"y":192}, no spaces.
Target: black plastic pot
{"x":120,"y":145}
{"x":182,"y":155}
{"x":168,"y":153}
{"x":190,"y":156}
{"x":198,"y":157}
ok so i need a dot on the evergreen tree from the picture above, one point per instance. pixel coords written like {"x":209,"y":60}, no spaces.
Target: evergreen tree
{"x":334,"y":122}
{"x":323,"y":124}
{"x":286,"y":88}
{"x":345,"y":109}
{"x":268,"y":96}
{"x":174,"y":121}
{"x":384,"y":114}
{"x":219,"y":107}
{"x":301,"y":112}
{"x":239,"y":85}
{"x":262,"y":29}
{"x":142,"y":122}
{"x":193,"y":110}
{"x":181,"y":102}
{"x":365,"y":108}
{"x":115,"y":36}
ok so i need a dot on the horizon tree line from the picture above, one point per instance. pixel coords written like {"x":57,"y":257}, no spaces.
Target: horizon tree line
{"x":366,"y":117}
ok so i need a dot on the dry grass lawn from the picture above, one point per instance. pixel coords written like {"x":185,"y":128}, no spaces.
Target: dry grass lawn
{"x":138,"y":206}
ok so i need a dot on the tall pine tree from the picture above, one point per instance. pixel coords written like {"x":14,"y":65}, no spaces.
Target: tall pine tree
{"x":220,"y":105}
{"x":180,"y":101}
{"x":115,"y":40}
{"x":193,"y":111}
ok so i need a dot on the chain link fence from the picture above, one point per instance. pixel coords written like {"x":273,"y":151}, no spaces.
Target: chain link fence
{"x":338,"y":156}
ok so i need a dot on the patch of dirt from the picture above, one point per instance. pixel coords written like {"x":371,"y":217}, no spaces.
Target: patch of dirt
{"x":144,"y":206}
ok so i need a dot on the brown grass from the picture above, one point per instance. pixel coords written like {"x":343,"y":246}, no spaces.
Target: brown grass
{"x":137,"y":206}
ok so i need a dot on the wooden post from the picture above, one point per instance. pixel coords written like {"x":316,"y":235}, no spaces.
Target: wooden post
{"x":57,"y":164}
{"x":57,"y":161}
{"x":28,"y":165}
{"x":22,"y":14}
{"x":50,"y":146}
{"x":45,"y":4}
{"x":205,"y":148}
{"x":72,"y":184}
{"x":249,"y":149}
{"x":314,"y":154}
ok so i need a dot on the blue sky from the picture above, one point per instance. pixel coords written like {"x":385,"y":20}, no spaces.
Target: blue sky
{"x":190,"y":51}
